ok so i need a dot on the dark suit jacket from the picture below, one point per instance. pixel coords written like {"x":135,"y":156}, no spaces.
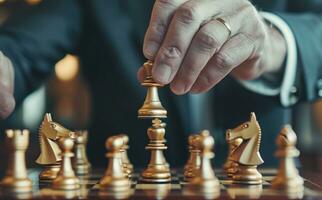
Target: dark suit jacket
{"x":107,"y":35}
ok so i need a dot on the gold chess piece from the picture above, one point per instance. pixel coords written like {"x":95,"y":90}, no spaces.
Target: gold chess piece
{"x":230,"y":166}
{"x":114,"y":179}
{"x":158,"y":170}
{"x":16,"y":179}
{"x":152,"y":107}
{"x":205,"y":180}
{"x":194,"y":161}
{"x":80,"y":160}
{"x":126,"y":164}
{"x":49,"y":133}
{"x":247,"y":155}
{"x":287,"y":177}
{"x":66,"y":179}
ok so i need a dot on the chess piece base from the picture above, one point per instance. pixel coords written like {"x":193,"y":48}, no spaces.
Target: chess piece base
{"x":14,"y":185}
{"x":113,"y":184}
{"x":82,"y":169}
{"x":205,"y":186}
{"x":156,"y":174}
{"x":50,"y":172}
{"x":66,"y":183}
{"x":190,"y":174}
{"x":291,"y":184}
{"x":232,"y":170}
{"x":247,"y":175}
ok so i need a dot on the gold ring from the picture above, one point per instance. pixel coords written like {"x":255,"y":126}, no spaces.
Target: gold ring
{"x":225,"y":24}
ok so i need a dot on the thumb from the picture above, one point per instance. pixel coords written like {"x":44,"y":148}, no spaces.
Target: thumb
{"x":7,"y":101}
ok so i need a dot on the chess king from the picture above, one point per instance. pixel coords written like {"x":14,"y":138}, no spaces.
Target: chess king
{"x":50,"y":153}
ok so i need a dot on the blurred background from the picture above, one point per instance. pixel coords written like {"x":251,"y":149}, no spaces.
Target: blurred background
{"x":66,"y":96}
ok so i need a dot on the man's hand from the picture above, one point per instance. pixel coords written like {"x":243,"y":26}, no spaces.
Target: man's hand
{"x":7,"y":101}
{"x":193,"y":51}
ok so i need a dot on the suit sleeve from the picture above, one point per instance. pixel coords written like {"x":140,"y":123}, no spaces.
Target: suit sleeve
{"x":37,"y":38}
{"x":307,"y":30}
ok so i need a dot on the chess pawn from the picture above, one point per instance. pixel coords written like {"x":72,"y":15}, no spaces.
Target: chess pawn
{"x":66,"y":179}
{"x":80,"y":161}
{"x":205,"y":181}
{"x":152,"y":107}
{"x":126,"y":164}
{"x":114,"y":179}
{"x":194,"y":161}
{"x":16,"y":179}
{"x":158,"y":170}
{"x":287,"y":177}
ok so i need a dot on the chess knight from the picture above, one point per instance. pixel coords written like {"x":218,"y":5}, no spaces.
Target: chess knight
{"x":50,"y":154}
{"x":246,"y":155}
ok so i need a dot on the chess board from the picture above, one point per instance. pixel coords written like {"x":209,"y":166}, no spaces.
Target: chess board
{"x":174,"y":190}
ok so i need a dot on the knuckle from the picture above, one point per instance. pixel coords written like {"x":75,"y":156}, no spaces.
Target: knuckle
{"x":207,"y":41}
{"x":188,"y":13}
{"x":167,"y":3}
{"x":171,"y":52}
{"x":157,"y":30}
{"x":223,"y":61}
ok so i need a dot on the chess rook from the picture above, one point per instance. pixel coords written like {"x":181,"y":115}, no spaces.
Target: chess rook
{"x":205,"y":180}
{"x":16,"y":179}
{"x":194,"y":161}
{"x":114,"y":179}
{"x":158,"y":170}
{"x":247,"y":155}
{"x":287,"y":178}
{"x":66,"y":179}
{"x":80,"y":161}
{"x":152,"y":107}
{"x":50,"y":153}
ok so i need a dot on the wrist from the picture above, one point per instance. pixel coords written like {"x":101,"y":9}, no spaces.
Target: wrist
{"x":275,"y":51}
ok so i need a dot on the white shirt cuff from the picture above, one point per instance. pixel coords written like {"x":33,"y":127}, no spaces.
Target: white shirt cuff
{"x":286,"y":88}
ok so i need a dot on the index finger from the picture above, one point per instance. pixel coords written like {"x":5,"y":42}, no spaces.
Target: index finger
{"x":162,"y":14}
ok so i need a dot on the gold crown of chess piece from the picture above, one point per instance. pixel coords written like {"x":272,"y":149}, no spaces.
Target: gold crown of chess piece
{"x":114,"y":179}
{"x":193,"y":164}
{"x":230,"y":166}
{"x":126,"y":164}
{"x":66,"y":179}
{"x":50,"y":153}
{"x":152,"y":107}
{"x":16,"y":179}
{"x":247,"y":155}
{"x":158,"y":170}
{"x":287,"y":177}
{"x":80,"y":160}
{"x":205,"y":180}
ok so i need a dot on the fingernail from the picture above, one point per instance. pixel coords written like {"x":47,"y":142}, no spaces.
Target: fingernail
{"x":178,"y":87}
{"x":195,"y":90}
{"x":162,"y":73}
{"x":151,"y":49}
